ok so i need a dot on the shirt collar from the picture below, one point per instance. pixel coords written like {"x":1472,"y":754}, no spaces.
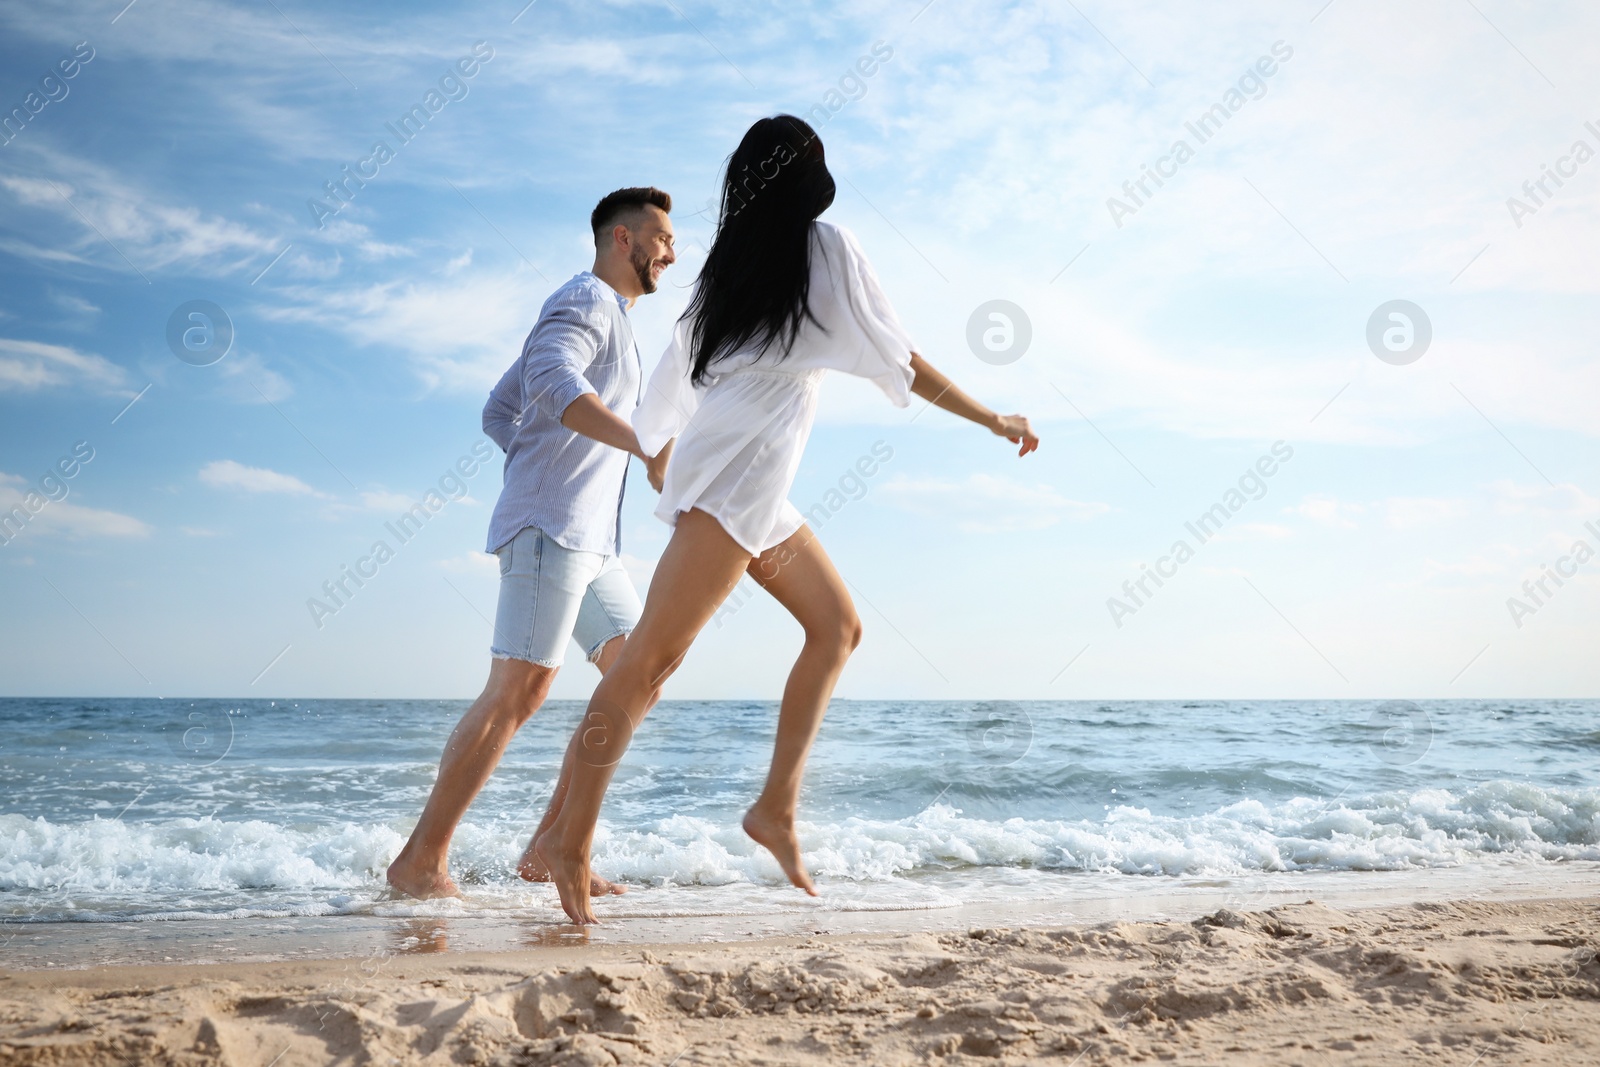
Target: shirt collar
{"x":621,"y":300}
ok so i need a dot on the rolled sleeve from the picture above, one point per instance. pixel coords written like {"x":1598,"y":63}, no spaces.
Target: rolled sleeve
{"x":504,"y":408}
{"x":559,"y":351}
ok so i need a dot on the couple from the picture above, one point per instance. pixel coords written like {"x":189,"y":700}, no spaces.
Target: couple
{"x":782,"y":298}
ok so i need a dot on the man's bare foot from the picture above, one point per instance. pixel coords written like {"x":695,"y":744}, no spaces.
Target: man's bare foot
{"x":569,"y":872}
{"x":776,"y":835}
{"x":413,"y":881}
{"x":532,"y":869}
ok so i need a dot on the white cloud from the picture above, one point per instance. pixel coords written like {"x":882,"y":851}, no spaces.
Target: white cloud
{"x":1406,"y":513}
{"x":228,"y":474}
{"x":476,"y":564}
{"x":1511,"y":498}
{"x":38,"y":253}
{"x":29,"y":365}
{"x":984,"y":503}
{"x":306,"y":265}
{"x":1253,"y":531}
{"x":461,"y":332}
{"x":380,"y":500}
{"x":1473,"y":566}
{"x":63,"y":516}
{"x":72,"y":302}
{"x":92,"y":522}
{"x":252,"y":381}
{"x":1328,"y":511}
{"x":347,"y":231}
{"x":104,"y":206}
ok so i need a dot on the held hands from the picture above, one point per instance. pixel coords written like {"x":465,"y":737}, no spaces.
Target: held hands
{"x":656,"y":467}
{"x":1015,"y":428}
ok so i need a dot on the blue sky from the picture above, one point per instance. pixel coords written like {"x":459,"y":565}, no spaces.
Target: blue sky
{"x":1172,"y":345}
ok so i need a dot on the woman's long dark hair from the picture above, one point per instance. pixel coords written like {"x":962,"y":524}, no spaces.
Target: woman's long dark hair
{"x":755,"y":285}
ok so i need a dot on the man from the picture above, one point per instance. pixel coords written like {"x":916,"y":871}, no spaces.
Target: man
{"x":561,"y":415}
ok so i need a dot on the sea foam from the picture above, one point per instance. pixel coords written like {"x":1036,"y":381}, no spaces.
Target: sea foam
{"x":177,"y":867}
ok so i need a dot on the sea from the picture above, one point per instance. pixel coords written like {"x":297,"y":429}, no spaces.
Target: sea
{"x":134,"y":830}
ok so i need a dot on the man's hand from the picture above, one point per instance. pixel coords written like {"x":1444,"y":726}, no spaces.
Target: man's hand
{"x":656,"y":467}
{"x":1015,"y":428}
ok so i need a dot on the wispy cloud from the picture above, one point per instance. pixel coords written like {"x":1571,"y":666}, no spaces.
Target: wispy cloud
{"x":65,"y":517}
{"x":1328,"y":511}
{"x":984,"y":503}
{"x":27,"y":366}
{"x":73,"y":303}
{"x":230,"y":474}
{"x":101,"y":207}
{"x":251,"y":381}
{"x":382,"y":500}
{"x":1407,"y":513}
{"x":461,"y":332}
{"x":1566,"y":499}
{"x":474,"y":564}
{"x":1253,"y":531}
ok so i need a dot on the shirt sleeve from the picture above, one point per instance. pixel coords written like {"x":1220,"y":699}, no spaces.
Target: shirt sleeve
{"x":568,"y":338}
{"x":504,"y":409}
{"x":885,"y":358}
{"x":670,"y":400}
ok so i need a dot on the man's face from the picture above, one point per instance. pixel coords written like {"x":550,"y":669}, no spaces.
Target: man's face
{"x":652,"y":247}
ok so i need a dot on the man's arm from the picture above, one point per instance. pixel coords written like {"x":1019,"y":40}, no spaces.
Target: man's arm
{"x":558,"y":352}
{"x":568,"y":339}
{"x":589,"y":416}
{"x":500,"y":414}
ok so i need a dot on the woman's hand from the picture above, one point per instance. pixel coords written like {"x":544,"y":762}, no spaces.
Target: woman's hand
{"x":1015,"y":428}
{"x":656,"y":468}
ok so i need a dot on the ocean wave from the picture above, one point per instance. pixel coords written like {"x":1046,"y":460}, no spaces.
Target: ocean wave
{"x":176,"y":868}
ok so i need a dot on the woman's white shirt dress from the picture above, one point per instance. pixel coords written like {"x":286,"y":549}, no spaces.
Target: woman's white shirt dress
{"x":740,"y":436}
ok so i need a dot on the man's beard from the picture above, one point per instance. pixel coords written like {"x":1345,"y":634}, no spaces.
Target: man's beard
{"x":641,"y":266}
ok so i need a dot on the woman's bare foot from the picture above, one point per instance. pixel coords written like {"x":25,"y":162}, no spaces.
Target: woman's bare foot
{"x":413,"y":881}
{"x":532,"y":869}
{"x":569,"y":872}
{"x":776,"y":835}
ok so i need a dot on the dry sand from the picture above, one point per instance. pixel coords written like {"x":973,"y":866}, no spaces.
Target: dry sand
{"x":1464,"y":983}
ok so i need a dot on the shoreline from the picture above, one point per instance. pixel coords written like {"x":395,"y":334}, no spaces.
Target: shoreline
{"x":1294,"y":983}
{"x":698,"y":914}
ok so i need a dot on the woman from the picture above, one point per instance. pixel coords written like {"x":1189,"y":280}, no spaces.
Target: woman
{"x":782,"y":298}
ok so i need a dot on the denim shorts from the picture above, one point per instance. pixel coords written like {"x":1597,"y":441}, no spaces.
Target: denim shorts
{"x":550,"y":594}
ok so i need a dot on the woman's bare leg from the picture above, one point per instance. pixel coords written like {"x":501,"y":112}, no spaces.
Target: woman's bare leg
{"x":801,"y":577}
{"x":698,"y":570}
{"x":530,"y":868}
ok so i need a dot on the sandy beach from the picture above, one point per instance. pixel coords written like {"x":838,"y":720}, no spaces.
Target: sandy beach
{"x":1459,"y":983}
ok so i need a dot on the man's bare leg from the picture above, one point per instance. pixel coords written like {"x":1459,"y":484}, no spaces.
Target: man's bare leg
{"x":697,"y":571}
{"x":513,"y":693}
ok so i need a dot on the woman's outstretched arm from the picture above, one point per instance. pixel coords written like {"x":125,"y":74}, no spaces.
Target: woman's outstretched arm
{"x":940,"y":391}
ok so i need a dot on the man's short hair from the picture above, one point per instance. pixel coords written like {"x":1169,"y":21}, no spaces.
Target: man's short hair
{"x":623,"y":205}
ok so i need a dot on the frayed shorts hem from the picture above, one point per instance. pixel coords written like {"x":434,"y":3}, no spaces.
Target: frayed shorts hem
{"x":551,"y":596}
{"x":498,"y":654}
{"x":593,"y":654}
